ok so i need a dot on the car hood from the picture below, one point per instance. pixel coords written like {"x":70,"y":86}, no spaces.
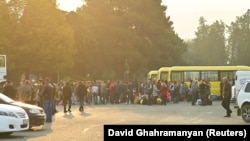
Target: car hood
{"x":10,"y":108}
{"x":25,"y":105}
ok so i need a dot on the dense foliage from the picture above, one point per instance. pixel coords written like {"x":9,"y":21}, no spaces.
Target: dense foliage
{"x":110,"y":39}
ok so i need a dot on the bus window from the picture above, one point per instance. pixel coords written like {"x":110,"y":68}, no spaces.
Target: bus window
{"x":164,"y":76}
{"x":210,"y":75}
{"x":191,"y":75}
{"x":177,"y":76}
{"x":153,"y":75}
{"x":163,"y":73}
{"x":229,"y":74}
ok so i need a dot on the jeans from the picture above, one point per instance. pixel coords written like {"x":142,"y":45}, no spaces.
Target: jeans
{"x":129,"y":97}
{"x":53,"y":106}
{"x":81,"y":103}
{"x":112,"y":98}
{"x":104,"y":98}
{"x":47,"y":104}
{"x":226,"y":105}
{"x":194,"y":98}
{"x":65,"y":102}
{"x":88,"y":99}
{"x":95,"y":98}
{"x":175,"y":98}
{"x":120,"y":98}
{"x":149,"y":98}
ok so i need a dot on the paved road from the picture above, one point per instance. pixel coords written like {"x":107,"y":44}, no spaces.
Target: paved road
{"x":88,"y":126}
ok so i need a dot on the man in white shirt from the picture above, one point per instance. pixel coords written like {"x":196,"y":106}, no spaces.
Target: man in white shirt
{"x":95,"y":90}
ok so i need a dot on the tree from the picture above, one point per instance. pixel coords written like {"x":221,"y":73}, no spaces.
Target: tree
{"x":209,"y":43}
{"x":44,"y":41}
{"x":5,"y":27}
{"x":110,"y":33}
{"x":108,"y":39}
{"x":238,"y":42}
{"x":7,"y":32}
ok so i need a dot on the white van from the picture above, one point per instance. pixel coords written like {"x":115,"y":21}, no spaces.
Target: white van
{"x":239,"y":80}
{"x":243,"y":101}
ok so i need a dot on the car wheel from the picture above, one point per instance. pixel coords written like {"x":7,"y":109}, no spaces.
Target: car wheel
{"x":6,"y":133}
{"x":245,"y":113}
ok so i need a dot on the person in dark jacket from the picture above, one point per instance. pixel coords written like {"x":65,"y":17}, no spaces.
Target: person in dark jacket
{"x":54,"y":97}
{"x":39,"y":96}
{"x":116,"y":90}
{"x":193,"y":91}
{"x":9,"y":90}
{"x":67,"y":93}
{"x":176,"y":95}
{"x":226,"y":96}
{"x":81,"y":92}
{"x":202,"y":90}
{"x":47,"y":93}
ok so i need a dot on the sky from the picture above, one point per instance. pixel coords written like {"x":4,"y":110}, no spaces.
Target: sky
{"x":185,"y":14}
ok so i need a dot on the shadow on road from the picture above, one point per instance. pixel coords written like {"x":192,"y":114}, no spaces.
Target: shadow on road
{"x":68,"y":115}
{"x":84,"y":114}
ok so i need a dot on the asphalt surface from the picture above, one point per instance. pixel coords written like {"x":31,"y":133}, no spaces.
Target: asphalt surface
{"x":88,"y":125}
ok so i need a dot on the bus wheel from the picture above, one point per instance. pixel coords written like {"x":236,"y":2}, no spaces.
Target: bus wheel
{"x":245,"y":113}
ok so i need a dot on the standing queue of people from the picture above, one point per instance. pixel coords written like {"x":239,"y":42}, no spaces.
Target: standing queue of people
{"x":115,"y":92}
{"x":98,"y":92}
{"x":48,"y":94}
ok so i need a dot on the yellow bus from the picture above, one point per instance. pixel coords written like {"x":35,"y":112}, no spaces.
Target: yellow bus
{"x":153,"y":75}
{"x":164,"y":74}
{"x":213,"y":74}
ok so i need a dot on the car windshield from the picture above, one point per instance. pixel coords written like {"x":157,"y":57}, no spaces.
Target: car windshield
{"x":6,"y":98}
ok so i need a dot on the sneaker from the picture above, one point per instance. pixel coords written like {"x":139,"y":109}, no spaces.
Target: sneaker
{"x":69,"y":110}
{"x":227,"y":116}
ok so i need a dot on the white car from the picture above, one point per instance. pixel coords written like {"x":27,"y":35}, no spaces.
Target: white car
{"x":12,"y":119}
{"x":243,"y":102}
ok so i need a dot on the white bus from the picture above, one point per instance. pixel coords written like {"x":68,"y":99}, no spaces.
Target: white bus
{"x":3,"y":68}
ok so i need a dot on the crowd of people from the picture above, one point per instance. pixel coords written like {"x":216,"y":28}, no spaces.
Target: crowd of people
{"x":48,"y":94}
